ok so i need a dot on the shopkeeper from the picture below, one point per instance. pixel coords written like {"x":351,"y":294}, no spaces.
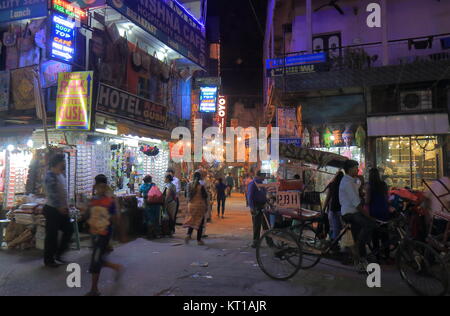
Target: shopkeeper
{"x":56,"y":213}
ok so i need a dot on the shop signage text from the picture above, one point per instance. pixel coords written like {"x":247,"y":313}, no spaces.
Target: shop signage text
{"x":62,"y":39}
{"x":296,"y":64}
{"x":222,"y":114}
{"x":121,"y":104}
{"x":291,"y":141}
{"x":12,"y":10}
{"x":168,"y":22}
{"x":71,"y":10}
{"x":74,"y":100}
{"x":208,"y":99}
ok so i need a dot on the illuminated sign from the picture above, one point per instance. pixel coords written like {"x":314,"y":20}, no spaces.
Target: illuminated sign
{"x":222,"y":114}
{"x":74,"y":100}
{"x":296,"y":60}
{"x":63,"y":39}
{"x":22,"y":10}
{"x":208,"y":99}
{"x":66,"y":8}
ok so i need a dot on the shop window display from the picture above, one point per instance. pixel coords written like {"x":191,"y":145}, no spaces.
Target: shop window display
{"x":406,"y":161}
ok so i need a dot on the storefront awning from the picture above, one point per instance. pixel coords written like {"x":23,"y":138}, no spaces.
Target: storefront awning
{"x":316,"y":157}
{"x":408,"y":125}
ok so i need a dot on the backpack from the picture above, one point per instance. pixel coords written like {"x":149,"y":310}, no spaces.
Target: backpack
{"x":155,"y":196}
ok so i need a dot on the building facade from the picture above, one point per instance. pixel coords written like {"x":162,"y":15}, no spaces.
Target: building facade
{"x":370,"y":80}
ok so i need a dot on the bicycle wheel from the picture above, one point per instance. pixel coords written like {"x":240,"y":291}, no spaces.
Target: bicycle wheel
{"x":422,"y":268}
{"x":311,"y":246}
{"x":279,"y":254}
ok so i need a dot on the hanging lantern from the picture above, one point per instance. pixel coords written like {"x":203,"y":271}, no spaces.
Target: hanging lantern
{"x":337,"y":134}
{"x":360,"y":137}
{"x":327,"y":138}
{"x":306,"y":140}
{"x":347,"y":136}
{"x":315,"y":138}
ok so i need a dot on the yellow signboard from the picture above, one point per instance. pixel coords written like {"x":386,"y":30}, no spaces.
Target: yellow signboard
{"x":74,"y":100}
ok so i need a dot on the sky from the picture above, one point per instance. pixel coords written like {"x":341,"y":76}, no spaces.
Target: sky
{"x":242,"y":45}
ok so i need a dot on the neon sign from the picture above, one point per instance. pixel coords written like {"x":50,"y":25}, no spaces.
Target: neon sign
{"x":208,"y":99}
{"x":63,"y":39}
{"x":69,"y":9}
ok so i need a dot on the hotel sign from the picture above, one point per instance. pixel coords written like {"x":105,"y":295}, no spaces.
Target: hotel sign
{"x":296,"y":64}
{"x":74,"y":100}
{"x":121,"y":104}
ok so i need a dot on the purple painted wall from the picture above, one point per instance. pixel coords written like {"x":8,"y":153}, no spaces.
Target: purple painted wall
{"x":406,"y":19}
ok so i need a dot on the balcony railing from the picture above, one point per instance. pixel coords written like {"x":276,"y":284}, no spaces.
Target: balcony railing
{"x":370,"y":55}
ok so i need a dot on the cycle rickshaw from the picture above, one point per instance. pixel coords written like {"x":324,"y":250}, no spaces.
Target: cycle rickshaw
{"x":301,"y":244}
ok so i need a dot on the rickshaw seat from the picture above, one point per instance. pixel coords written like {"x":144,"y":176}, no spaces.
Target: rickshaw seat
{"x":299,"y":214}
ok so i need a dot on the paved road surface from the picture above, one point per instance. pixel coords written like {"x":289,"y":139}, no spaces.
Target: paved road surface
{"x":164,"y":267}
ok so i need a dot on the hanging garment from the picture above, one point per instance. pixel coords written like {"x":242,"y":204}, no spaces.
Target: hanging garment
{"x":360,"y":137}
{"x":347,"y":136}
{"x":306,"y":140}
{"x":327,"y":138}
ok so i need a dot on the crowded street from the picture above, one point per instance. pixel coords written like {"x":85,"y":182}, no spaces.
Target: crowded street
{"x":168,"y":267}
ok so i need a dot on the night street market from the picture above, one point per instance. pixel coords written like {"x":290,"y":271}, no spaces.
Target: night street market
{"x":230,"y":154}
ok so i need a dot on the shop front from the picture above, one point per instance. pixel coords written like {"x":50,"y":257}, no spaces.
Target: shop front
{"x":410,"y":148}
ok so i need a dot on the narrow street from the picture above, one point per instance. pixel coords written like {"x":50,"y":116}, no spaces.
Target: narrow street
{"x":166,"y":267}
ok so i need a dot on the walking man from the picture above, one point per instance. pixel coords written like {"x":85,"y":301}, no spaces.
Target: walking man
{"x":230,"y":183}
{"x":257,"y":199}
{"x":177,"y":184}
{"x":56,"y":213}
{"x":221,"y":197}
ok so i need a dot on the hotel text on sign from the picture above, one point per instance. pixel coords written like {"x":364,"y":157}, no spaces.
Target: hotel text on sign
{"x":73,"y":101}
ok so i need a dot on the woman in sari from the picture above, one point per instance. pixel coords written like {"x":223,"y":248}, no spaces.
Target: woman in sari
{"x":197,"y":209}
{"x":152,"y":212}
{"x":170,"y":204}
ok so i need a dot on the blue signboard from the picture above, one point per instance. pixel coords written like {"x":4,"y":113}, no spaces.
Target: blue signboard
{"x":170,"y":23}
{"x":22,"y":9}
{"x":291,"y":141}
{"x":62,"y":41}
{"x":208,"y":99}
{"x":296,"y":60}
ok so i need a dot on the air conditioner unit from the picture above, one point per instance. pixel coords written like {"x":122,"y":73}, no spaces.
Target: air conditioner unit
{"x":416,"y":100}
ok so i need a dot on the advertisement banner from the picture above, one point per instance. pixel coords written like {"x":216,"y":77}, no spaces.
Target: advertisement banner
{"x":74,"y":100}
{"x":4,"y":90}
{"x":169,"y":22}
{"x":62,"y":41}
{"x":22,"y":10}
{"x":121,"y":104}
{"x":287,"y":122}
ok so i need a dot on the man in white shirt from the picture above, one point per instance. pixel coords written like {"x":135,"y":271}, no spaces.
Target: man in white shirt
{"x":353,"y":211}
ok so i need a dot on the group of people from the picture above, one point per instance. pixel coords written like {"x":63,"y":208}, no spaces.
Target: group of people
{"x":361,"y":205}
{"x":101,"y":214}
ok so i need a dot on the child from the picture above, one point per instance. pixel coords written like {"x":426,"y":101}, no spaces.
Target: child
{"x":102,"y":211}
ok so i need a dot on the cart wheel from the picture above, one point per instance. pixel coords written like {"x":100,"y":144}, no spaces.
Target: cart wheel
{"x":311,"y":246}
{"x":422,"y":268}
{"x":279,"y":254}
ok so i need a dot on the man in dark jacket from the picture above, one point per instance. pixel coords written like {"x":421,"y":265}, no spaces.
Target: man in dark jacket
{"x":257,"y":199}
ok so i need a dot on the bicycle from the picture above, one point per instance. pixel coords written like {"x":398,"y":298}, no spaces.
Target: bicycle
{"x":282,"y":252}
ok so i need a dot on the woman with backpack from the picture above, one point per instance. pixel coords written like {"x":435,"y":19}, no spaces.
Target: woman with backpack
{"x":152,"y":211}
{"x":197,"y":208}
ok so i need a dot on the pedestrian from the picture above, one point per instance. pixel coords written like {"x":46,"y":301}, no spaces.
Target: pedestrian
{"x":56,"y":212}
{"x":170,"y":204}
{"x":353,"y":212}
{"x":334,"y":210}
{"x":177,"y":184}
{"x":377,"y":204}
{"x":221,"y":197}
{"x":248,"y":179}
{"x":102,"y":214}
{"x":197,"y":208}
{"x":152,"y":211}
{"x":229,"y":181}
{"x":257,"y":199}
